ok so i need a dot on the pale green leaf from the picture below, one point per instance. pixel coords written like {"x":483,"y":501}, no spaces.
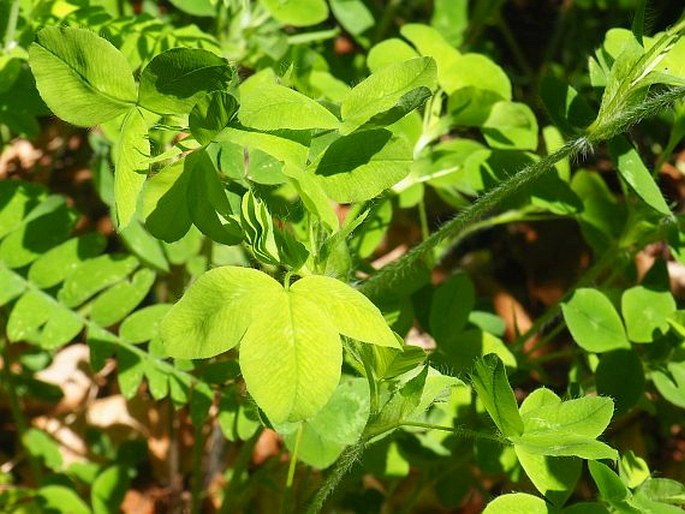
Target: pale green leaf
{"x":93,"y":276}
{"x":478,"y":71}
{"x":45,"y":227}
{"x":564,"y":445}
{"x":12,"y":285}
{"x":39,"y":319}
{"x":338,"y":424}
{"x":130,"y":367}
{"x":360,"y":166}
{"x":265,"y":105}
{"x":56,"y":264}
{"x":492,"y":386}
{"x":554,"y":477}
{"x":211,"y":114}
{"x":352,"y":313}
{"x":144,"y":245}
{"x":58,"y":498}
{"x":593,"y":321}
{"x":143,"y":325}
{"x":646,"y":312}
{"x":17,"y":199}
{"x":109,"y":489}
{"x":290,"y":153}
{"x":353,"y":15}
{"x":511,"y":125}
{"x":382,"y":90}
{"x":586,"y":417}
{"x":431,"y":43}
{"x":452,"y":302}
{"x":164,"y":203}
{"x":389,"y":51}
{"x":518,"y":503}
{"x":132,"y":152}
{"x":114,"y":304}
{"x":290,"y":357}
{"x":174,"y":80}
{"x":214,"y":313}
{"x":82,"y":77}
{"x":635,"y":173}
{"x":299,"y":13}
{"x":670,"y":382}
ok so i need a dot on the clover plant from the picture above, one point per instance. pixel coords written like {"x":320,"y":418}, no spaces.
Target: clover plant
{"x":251,"y":182}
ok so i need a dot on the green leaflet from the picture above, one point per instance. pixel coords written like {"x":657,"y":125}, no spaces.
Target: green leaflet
{"x":62,"y":499}
{"x":299,"y":13}
{"x":143,"y":325}
{"x":670,"y":382}
{"x":132,"y":163}
{"x":554,"y":477}
{"x":354,"y":17}
{"x":189,"y":191}
{"x":477,"y":71}
{"x":174,"y":80}
{"x":109,"y":489}
{"x":565,"y":429}
{"x":211,"y":114}
{"x":93,"y":276}
{"x":593,"y":321}
{"x":647,"y":307}
{"x":117,"y":302}
{"x":511,"y":125}
{"x":518,"y":503}
{"x":290,"y":153}
{"x":361,"y":165}
{"x":431,"y":43}
{"x":38,"y":319}
{"x":635,"y":173}
{"x":290,"y":352}
{"x":352,"y":313}
{"x":490,"y":382}
{"x":82,"y":77}
{"x":56,"y":264}
{"x":214,"y":313}
{"x":383,"y":91}
{"x":620,"y":375}
{"x":452,"y":303}
{"x":266,"y":105}
{"x":389,"y":51}
{"x":46,"y":226}
{"x":338,"y":424}
{"x":290,"y":357}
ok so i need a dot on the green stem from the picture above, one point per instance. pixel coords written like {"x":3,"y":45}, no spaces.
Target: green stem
{"x":293,"y":457}
{"x":12,"y":21}
{"x":286,"y":502}
{"x":600,"y":131}
{"x":466,"y":433}
{"x":17,"y":413}
{"x":373,"y":389}
{"x":234,"y":485}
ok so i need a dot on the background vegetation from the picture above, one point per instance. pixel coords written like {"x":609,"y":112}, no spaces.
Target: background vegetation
{"x":502,"y":180}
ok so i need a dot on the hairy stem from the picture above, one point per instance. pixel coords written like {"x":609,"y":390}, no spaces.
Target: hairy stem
{"x":350,"y":455}
{"x":599,"y":131}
